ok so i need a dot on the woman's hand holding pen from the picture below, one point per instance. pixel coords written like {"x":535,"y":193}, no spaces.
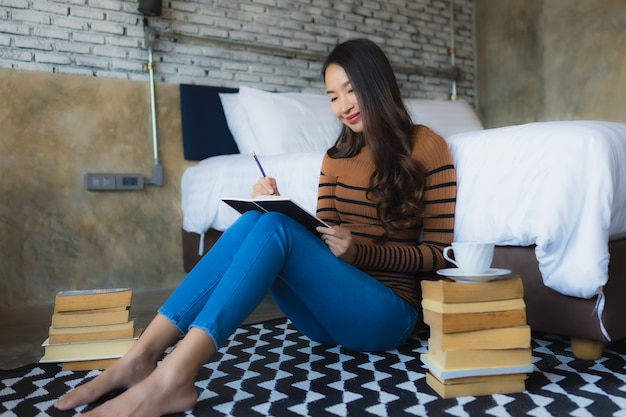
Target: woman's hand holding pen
{"x":265,"y":186}
{"x":339,"y":241}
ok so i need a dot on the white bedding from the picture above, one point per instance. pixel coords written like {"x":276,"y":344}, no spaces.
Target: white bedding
{"x":202,"y":185}
{"x":559,"y":185}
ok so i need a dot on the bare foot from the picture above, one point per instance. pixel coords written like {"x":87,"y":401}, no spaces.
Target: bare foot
{"x":124,"y":373}
{"x":164,"y":392}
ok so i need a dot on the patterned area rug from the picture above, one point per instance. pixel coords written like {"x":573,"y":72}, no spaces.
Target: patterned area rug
{"x":270,"y":369}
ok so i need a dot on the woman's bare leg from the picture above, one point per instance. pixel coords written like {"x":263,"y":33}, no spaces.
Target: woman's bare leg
{"x":136,"y":365}
{"x":170,"y":388}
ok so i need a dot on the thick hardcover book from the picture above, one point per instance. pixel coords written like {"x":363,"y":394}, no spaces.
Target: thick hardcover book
{"x":477,"y":307}
{"x":504,"y":338}
{"x":284,"y":205}
{"x":455,"y":292}
{"x":99,"y":317}
{"x":76,"y":300}
{"x":82,"y":351}
{"x":475,"y":386}
{"x":450,"y":359}
{"x":91,"y":333}
{"x":466,"y":322}
{"x":441,"y":373}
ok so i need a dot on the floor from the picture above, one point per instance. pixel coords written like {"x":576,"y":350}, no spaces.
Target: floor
{"x":24,"y":329}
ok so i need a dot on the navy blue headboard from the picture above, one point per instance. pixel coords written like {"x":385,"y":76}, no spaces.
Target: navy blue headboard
{"x":205,"y":131}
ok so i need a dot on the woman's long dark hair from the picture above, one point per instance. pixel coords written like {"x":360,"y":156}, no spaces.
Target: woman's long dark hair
{"x":397,"y":184}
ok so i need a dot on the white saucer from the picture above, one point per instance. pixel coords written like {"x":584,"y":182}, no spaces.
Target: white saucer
{"x":490,"y":275}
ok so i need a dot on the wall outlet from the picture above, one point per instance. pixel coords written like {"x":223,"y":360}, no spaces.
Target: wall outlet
{"x":111,"y":182}
{"x":99,"y":182}
{"x":128,"y":181}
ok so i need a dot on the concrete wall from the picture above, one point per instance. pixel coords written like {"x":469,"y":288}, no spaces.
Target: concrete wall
{"x":75,"y":99}
{"x":53,"y":233}
{"x":540,"y":60}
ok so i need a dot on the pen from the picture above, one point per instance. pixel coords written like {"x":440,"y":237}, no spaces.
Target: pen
{"x":259,"y":164}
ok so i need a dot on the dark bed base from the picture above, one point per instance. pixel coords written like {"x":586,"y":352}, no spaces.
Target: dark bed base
{"x":191,"y":242}
{"x":547,"y":310}
{"x":551,"y":312}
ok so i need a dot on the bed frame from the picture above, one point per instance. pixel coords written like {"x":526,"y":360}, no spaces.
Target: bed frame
{"x":548,"y":311}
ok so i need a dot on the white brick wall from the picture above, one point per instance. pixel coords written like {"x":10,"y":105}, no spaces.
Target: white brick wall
{"x":105,"y":38}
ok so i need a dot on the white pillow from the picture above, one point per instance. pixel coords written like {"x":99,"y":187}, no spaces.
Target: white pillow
{"x":444,"y":117}
{"x":238,"y":122}
{"x":288,"y":122}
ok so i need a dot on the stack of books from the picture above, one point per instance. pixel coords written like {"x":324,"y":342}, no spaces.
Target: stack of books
{"x":90,"y":329}
{"x":479,"y":341}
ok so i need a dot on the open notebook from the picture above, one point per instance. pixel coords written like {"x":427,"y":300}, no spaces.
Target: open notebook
{"x":284,"y":205}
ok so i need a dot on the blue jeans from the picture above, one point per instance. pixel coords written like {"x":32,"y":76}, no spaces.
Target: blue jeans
{"x":327,"y":299}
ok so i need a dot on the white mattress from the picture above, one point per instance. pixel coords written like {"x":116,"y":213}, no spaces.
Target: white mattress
{"x":559,"y":185}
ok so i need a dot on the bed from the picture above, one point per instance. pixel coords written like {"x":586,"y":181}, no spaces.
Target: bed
{"x":549,"y":194}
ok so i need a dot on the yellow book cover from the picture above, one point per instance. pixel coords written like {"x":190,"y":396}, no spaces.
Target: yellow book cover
{"x":503,"y":338}
{"x":97,"y":317}
{"x":477,"y":307}
{"x":441,"y":373}
{"x":78,"y":300}
{"x":465,"y":322}
{"x":447,"y":291}
{"x":101,"y":349}
{"x":91,"y":333}
{"x":477,"y":358}
{"x":488,"y":385}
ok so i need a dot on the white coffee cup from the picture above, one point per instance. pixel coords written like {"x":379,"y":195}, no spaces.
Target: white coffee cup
{"x":470,"y":257}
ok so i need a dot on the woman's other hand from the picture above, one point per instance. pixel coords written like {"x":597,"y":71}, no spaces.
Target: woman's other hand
{"x":339,"y":241}
{"x":265,"y":186}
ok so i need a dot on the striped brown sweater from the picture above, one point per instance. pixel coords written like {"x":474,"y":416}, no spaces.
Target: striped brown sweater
{"x":397,"y":262}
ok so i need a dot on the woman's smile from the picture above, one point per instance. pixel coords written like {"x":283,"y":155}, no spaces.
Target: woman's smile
{"x":353,"y":118}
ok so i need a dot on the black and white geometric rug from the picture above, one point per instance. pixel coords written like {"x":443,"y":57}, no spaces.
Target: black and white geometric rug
{"x":270,"y":369}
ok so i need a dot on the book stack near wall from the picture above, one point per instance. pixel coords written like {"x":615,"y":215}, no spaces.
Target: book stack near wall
{"x":90,"y":329}
{"x":479,"y":341}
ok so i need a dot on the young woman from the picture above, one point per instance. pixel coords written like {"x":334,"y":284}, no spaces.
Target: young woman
{"x":388,"y":190}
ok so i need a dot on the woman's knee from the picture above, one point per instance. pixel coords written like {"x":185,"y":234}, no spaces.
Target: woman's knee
{"x":244,"y":223}
{"x":273,"y":217}
{"x":271,"y":221}
{"x":250,"y":216}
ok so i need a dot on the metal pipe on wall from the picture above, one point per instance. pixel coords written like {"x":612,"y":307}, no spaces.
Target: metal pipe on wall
{"x":157,"y":168}
{"x":453,"y":95}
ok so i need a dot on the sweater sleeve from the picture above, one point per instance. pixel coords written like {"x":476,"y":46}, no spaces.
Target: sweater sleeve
{"x":438,"y":225}
{"x":326,"y":209}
